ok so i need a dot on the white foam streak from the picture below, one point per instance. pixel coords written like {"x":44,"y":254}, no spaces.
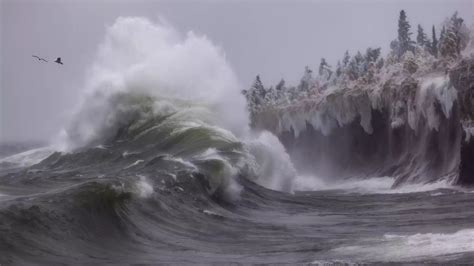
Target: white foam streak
{"x":137,"y":162}
{"x":28,"y":158}
{"x":412,"y":247}
{"x":374,"y":185}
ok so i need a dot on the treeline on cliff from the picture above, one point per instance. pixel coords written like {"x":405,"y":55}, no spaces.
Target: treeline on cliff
{"x":407,"y":56}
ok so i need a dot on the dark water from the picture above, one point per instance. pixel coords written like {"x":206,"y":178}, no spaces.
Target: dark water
{"x":50,"y":213}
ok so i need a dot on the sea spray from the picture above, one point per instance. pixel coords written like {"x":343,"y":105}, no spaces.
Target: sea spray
{"x":151,"y":85}
{"x":273,"y":167}
{"x":154,"y":61}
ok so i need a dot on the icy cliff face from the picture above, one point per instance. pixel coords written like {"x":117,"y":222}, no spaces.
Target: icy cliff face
{"x":407,"y":102}
{"x":462,"y":77}
{"x":405,"y":125}
{"x":409,"y":115}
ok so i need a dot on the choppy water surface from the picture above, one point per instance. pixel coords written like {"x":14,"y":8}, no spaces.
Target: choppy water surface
{"x":160,"y":210}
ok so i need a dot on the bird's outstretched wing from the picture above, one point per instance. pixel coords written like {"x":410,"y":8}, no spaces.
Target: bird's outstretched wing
{"x":39,"y":58}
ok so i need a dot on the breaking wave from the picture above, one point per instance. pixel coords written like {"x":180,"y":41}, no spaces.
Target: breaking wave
{"x":153,"y":93}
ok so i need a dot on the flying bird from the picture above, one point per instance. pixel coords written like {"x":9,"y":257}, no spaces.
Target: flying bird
{"x":39,"y":58}
{"x":58,"y":61}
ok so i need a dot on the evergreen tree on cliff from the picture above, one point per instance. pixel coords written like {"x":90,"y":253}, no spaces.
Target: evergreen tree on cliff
{"x":380,"y":63}
{"x":338,"y":69}
{"x":421,"y":36}
{"x":358,"y":58}
{"x":441,"y":36}
{"x":434,"y":43}
{"x":306,"y":80}
{"x":255,"y":95}
{"x":281,"y":85}
{"x":404,"y":41}
{"x":371,"y":55}
{"x":255,"y":98}
{"x":353,"y":69}
{"x":346,"y":58}
{"x":454,"y":39}
{"x":325,"y":69}
{"x":258,"y":88}
{"x":270,"y":96}
{"x":360,"y":64}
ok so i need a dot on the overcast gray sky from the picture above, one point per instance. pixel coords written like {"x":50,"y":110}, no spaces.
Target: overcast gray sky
{"x":272,"y":38}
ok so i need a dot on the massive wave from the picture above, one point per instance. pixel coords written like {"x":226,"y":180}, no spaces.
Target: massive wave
{"x":153,"y":94}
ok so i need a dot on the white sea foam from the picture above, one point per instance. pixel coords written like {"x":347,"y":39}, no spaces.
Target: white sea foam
{"x":28,"y":158}
{"x":181,"y":161}
{"x":127,"y":153}
{"x":374,"y":185}
{"x":137,"y":162}
{"x":393,"y":247}
{"x":143,"y":188}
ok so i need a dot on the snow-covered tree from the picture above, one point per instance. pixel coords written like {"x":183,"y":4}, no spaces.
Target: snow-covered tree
{"x":371,"y":55}
{"x":369,"y":70}
{"x":346,"y":58}
{"x":455,"y":38}
{"x":293,"y":94}
{"x":361,"y":63}
{"x":395,"y":46}
{"x":281,"y":92}
{"x":258,"y":88}
{"x":325,"y":71}
{"x":358,"y":58}
{"x":338,"y":69}
{"x":255,"y":95}
{"x":404,"y":41}
{"x":281,"y":85}
{"x":271,"y":97}
{"x":369,"y":76}
{"x":409,"y":62}
{"x":353,"y":69}
{"x":434,"y":43}
{"x":380,"y":63}
{"x":307,"y":80}
{"x":421,"y":38}
{"x":441,"y":36}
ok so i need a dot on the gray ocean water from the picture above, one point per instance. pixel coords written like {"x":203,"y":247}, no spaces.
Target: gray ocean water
{"x":129,"y":201}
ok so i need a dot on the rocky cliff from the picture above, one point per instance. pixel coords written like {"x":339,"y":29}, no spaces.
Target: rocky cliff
{"x":415,"y":127}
